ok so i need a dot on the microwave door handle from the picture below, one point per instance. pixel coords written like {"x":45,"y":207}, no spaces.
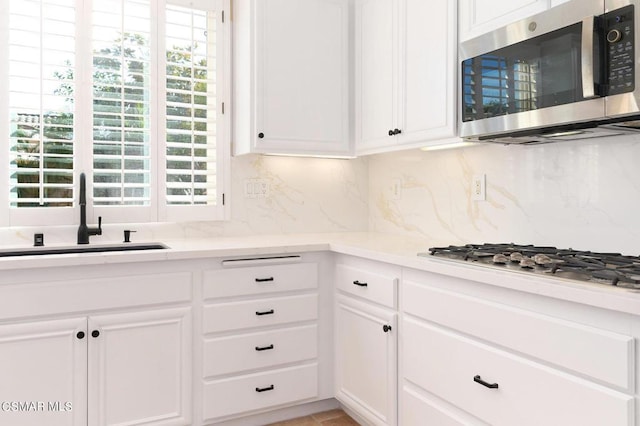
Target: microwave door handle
{"x":588,"y":90}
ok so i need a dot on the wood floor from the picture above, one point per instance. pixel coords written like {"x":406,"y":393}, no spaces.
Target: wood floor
{"x":326,"y":418}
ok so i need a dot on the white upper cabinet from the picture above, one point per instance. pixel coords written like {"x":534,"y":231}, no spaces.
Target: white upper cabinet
{"x":291,"y":70}
{"x":376,"y":55}
{"x":482,"y":16}
{"x":405,"y":73}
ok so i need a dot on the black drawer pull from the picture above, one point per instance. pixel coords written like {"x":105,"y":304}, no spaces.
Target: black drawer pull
{"x":386,"y":328}
{"x":264,"y":389}
{"x":478,"y":379}
{"x":265,"y":312}
{"x":356,"y":282}
{"x":264,"y":280}
{"x":264,"y":348}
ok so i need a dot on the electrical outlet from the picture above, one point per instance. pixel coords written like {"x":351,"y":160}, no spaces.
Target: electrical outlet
{"x":249,"y":191}
{"x":256,"y":188}
{"x":396,"y":189}
{"x":261,"y":188}
{"x":478,"y":187}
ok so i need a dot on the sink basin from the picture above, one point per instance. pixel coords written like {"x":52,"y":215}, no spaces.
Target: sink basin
{"x":41,"y":251}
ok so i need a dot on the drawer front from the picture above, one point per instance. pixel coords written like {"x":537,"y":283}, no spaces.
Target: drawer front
{"x":92,"y":294}
{"x":378,"y":288}
{"x":600,"y":354}
{"x":228,"y":355}
{"x":227,"y":397}
{"x":419,"y":410}
{"x":260,"y":280}
{"x":528,"y":393}
{"x":259,"y":313}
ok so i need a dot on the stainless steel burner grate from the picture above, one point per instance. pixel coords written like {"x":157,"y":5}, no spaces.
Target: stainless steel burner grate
{"x":606,"y":268}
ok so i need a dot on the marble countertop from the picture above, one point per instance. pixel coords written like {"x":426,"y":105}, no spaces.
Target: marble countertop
{"x":379,"y":247}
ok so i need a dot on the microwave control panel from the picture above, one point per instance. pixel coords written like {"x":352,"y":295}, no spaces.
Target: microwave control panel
{"x":620,"y":50}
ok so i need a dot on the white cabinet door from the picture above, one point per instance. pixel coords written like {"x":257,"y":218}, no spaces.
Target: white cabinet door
{"x":300,"y":75}
{"x":405,"y":73}
{"x":366,"y":360}
{"x":375,"y":58}
{"x":140,"y":368}
{"x":43,"y":373}
{"x":427,"y":81}
{"x":482,"y":16}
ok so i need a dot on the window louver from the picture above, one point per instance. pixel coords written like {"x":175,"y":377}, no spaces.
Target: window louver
{"x":41,"y":104}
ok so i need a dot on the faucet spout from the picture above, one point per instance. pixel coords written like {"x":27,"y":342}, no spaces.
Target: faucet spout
{"x":85,"y":231}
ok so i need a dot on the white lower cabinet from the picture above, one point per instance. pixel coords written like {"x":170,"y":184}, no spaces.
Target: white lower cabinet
{"x":502,"y":388}
{"x":119,"y":368}
{"x":43,"y":363}
{"x":140,"y":368}
{"x":260,"y":338}
{"x":366,"y":373}
{"x":467,"y":360}
{"x":366,"y":339}
{"x":421,"y":408}
{"x":267,"y":389}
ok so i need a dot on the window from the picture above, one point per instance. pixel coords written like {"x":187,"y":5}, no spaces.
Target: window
{"x":129,"y":92}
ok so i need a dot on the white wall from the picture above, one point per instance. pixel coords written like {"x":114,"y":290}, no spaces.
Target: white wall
{"x":584,"y":195}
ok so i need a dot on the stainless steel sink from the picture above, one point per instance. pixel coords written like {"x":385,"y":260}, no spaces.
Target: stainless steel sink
{"x":41,"y":251}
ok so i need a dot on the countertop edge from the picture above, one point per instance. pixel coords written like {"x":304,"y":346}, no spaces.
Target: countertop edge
{"x":384,"y":248}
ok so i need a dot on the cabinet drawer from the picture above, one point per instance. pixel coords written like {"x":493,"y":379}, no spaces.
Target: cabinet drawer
{"x":92,"y":294}
{"x":445,"y":364}
{"x":600,"y":354}
{"x":260,"y":280}
{"x":227,"y":397}
{"x":420,"y":409}
{"x":259,"y":313}
{"x":227,"y":355}
{"x":376,"y":287}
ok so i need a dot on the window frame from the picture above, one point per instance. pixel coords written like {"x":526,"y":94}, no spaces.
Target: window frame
{"x":157,"y":210}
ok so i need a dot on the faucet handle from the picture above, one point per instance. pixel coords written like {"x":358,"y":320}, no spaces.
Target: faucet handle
{"x":99,"y":225}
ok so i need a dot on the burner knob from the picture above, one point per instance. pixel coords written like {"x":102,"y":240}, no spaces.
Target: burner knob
{"x":500,"y":259}
{"x":527,"y":262}
{"x":515,"y":256}
{"x":542,"y":259}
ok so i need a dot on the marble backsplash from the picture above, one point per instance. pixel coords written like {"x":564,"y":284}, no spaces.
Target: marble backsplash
{"x":581,"y":194}
{"x":305,"y":195}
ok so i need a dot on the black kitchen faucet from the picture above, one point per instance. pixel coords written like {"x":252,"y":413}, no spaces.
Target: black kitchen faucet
{"x":84,"y":232}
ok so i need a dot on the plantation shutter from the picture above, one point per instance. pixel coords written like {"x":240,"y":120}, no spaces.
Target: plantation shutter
{"x":129,"y":92}
{"x":121,"y":48}
{"x":191,"y":99}
{"x":41,"y":102}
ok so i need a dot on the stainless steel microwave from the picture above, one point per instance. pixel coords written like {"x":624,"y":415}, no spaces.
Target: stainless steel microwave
{"x":568,"y":73}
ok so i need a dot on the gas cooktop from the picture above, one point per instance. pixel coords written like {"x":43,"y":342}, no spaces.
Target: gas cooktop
{"x":603,"y":268}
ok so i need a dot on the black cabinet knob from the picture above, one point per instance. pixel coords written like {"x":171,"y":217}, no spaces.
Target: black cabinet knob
{"x":391,"y":133}
{"x":261,"y":135}
{"x":397,"y":131}
{"x":386,"y":328}
{"x":80,"y":335}
{"x":95,"y":333}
